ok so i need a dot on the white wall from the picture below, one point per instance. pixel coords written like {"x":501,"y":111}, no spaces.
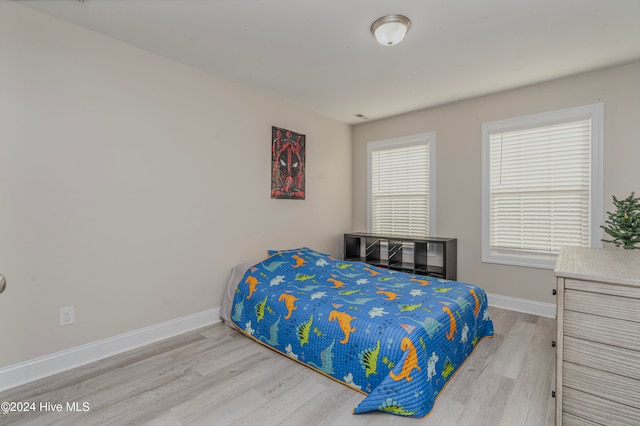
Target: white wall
{"x":458,"y":134}
{"x":131,"y":184}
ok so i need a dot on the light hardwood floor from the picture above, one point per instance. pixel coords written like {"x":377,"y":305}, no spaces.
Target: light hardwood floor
{"x":215,"y":376}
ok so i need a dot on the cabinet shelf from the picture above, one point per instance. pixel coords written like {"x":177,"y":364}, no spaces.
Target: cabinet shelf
{"x":422,"y":256}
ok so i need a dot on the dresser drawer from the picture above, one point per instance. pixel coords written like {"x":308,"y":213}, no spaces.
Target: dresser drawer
{"x":598,"y":410}
{"x":610,"y":359}
{"x":603,"y":288}
{"x":571,"y":420}
{"x":624,"y":334}
{"x":602,"y":304}
{"x":608,"y":386}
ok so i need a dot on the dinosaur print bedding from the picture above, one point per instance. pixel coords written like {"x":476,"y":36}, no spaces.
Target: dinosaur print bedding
{"x":395,"y":337}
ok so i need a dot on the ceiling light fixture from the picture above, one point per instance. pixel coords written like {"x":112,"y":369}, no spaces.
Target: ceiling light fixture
{"x":391,"y":29}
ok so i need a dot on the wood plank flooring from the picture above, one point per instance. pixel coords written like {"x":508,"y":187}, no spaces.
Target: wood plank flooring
{"x":215,"y":376}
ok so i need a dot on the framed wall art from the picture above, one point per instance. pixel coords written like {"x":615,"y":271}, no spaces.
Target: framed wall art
{"x":287,"y":164}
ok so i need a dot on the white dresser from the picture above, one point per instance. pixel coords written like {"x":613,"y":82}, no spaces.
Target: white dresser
{"x":598,"y":344}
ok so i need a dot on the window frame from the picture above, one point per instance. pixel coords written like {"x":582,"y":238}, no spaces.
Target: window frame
{"x":595,"y":112}
{"x":428,"y":139}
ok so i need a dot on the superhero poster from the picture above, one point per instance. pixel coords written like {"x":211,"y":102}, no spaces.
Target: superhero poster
{"x":287,"y":164}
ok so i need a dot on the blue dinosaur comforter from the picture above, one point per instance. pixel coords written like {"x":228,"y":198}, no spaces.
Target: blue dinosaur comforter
{"x":397,"y":338}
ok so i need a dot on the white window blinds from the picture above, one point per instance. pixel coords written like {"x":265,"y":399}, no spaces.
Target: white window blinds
{"x":400,"y":190}
{"x":541,"y":185}
{"x":539,"y":188}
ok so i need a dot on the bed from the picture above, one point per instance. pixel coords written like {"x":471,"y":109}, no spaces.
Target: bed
{"x":394,"y":337}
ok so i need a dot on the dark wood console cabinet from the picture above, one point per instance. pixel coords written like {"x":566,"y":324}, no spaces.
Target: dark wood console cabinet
{"x":424,"y":256}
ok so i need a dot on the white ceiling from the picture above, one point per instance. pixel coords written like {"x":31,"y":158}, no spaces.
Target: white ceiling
{"x":320,"y":55}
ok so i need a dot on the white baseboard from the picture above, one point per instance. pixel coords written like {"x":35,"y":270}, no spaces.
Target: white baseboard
{"x":522,"y":305}
{"x":38,"y":368}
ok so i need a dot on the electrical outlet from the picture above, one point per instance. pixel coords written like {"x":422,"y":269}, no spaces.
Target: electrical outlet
{"x":67,"y":316}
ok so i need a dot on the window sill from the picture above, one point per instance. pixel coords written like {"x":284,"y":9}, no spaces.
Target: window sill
{"x":528,"y":261}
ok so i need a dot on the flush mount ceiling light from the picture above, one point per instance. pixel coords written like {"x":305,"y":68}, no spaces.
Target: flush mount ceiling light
{"x":391,"y":29}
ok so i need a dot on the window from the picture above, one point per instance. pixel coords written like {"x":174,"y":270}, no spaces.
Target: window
{"x":542,"y":185}
{"x":400,"y":186}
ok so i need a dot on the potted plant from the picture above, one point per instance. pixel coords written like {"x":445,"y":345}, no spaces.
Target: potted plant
{"x":623,"y":225}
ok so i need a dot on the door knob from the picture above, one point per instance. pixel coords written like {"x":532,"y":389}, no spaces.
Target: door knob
{"x":3,"y":283}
